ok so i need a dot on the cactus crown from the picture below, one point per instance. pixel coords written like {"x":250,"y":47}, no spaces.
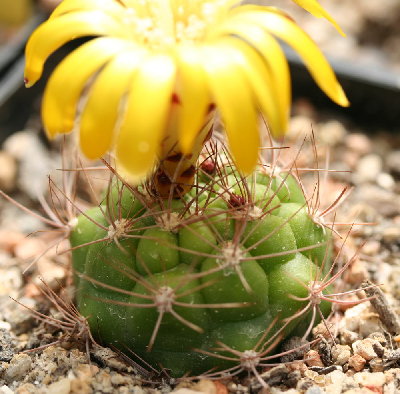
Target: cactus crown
{"x":213,"y":280}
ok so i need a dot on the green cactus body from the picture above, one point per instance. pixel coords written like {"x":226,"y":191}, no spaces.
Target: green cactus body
{"x":171,"y":280}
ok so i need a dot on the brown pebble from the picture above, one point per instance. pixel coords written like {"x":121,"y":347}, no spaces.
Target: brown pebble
{"x":376,"y":365}
{"x":297,"y":365}
{"x":391,"y":234}
{"x":29,"y":248}
{"x":10,"y":239}
{"x":356,"y":273}
{"x":357,"y":362}
{"x":371,"y":247}
{"x":396,"y":338}
{"x":50,"y":273}
{"x":313,"y":359}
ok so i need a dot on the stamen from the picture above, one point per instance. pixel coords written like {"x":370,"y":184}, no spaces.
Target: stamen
{"x":160,"y":24}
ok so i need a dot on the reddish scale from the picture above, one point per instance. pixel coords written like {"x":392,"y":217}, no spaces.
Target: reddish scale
{"x":236,"y":201}
{"x":208,"y":166}
{"x":175,"y":99}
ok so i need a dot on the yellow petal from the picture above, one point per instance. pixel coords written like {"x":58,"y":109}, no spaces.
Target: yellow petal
{"x":284,"y":28}
{"x":145,"y":120}
{"x":314,"y":8}
{"x":234,"y":99}
{"x":106,"y":6}
{"x":69,"y":79}
{"x":259,"y":79}
{"x":275,"y":63}
{"x":193,"y":94}
{"x":54,"y":33}
{"x":103,"y":108}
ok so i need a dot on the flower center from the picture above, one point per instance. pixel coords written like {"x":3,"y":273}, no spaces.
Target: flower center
{"x":161,"y":24}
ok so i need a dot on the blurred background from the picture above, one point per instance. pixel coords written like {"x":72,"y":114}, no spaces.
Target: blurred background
{"x":18,"y":18}
{"x":367,"y":61}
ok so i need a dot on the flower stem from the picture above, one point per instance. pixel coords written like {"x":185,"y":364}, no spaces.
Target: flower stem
{"x":176,"y":171}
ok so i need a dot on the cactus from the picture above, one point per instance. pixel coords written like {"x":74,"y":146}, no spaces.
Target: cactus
{"x":185,"y":265}
{"x":169,"y":279}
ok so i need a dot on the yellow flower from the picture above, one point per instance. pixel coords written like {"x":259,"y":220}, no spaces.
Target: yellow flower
{"x":117,"y":88}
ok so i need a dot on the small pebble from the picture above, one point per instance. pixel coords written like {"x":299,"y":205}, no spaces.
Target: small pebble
{"x":6,"y":390}
{"x":313,"y":359}
{"x":369,"y":324}
{"x":359,"y":143}
{"x":356,"y":273}
{"x":337,"y":377}
{"x":314,"y":390}
{"x":332,"y":132}
{"x":50,"y":273}
{"x":11,"y":281}
{"x":352,"y":316}
{"x":385,"y":181}
{"x":10,"y":239}
{"x":341,"y":354}
{"x":299,"y":126}
{"x":380,"y":337}
{"x":34,"y":159}
{"x":393,"y":162}
{"x":391,"y":234}
{"x":348,"y":337}
{"x":18,"y":367}
{"x":29,"y":248}
{"x":368,"y":168}
{"x":376,"y":365}
{"x":357,"y":362}
{"x":19,"y":317}
{"x":374,"y":379}
{"x":8,"y":172}
{"x":366,"y":348}
{"x":63,"y":386}
{"x":371,"y":247}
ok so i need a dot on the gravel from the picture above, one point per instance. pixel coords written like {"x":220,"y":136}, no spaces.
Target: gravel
{"x":364,"y":359}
